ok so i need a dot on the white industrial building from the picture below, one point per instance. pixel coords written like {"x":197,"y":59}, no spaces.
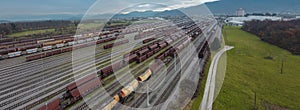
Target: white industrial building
{"x":240,"y":12}
{"x":239,"y":21}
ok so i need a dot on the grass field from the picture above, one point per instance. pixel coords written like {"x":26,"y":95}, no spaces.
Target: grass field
{"x":31,"y":32}
{"x":90,"y":26}
{"x":254,"y":66}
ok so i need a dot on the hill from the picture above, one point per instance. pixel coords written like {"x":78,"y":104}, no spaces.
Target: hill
{"x":257,"y":6}
{"x":254,"y":66}
{"x":284,"y":34}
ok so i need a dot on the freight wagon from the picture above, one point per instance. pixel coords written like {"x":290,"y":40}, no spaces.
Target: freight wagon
{"x":203,"y":50}
{"x":53,"y":105}
{"x":26,"y":47}
{"x":89,"y":83}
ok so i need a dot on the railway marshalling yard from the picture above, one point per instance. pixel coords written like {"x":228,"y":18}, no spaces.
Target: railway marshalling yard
{"x":108,"y":74}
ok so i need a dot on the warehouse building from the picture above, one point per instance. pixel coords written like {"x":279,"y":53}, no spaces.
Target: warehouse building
{"x":239,"y":21}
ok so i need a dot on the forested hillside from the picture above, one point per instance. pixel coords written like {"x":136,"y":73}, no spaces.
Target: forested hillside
{"x":9,"y":28}
{"x":285,"y":34}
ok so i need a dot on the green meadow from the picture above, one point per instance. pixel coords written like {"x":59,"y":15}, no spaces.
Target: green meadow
{"x":256,"y":67}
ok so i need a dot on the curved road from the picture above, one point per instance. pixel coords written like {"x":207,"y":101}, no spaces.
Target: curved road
{"x":208,"y":96}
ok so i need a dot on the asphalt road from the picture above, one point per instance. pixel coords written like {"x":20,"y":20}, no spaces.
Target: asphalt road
{"x":208,"y":96}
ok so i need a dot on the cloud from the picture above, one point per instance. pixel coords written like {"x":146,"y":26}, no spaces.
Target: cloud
{"x":171,"y":5}
{"x":184,"y":4}
{"x":144,"y":5}
{"x":45,"y":7}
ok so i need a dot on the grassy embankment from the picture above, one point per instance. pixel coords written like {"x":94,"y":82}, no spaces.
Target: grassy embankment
{"x":31,"y":32}
{"x":255,"y":67}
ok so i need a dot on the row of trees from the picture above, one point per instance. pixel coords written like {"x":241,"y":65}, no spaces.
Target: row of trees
{"x":8,"y":28}
{"x":285,"y":34}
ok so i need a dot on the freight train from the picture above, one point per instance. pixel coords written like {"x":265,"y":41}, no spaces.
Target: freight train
{"x":74,"y":47}
{"x":90,"y":82}
{"x":154,"y":68}
{"x":13,"y":48}
{"x":81,"y":87}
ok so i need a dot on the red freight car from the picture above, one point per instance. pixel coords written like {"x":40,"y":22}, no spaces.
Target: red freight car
{"x":142,"y":52}
{"x":162,"y":45}
{"x":130,"y":58}
{"x":22,"y":48}
{"x":3,"y":40}
{"x":108,"y":46}
{"x":149,"y":54}
{"x":172,"y":52}
{"x":35,"y":57}
{"x":203,"y":50}
{"x":80,"y":81}
{"x":89,"y":86}
{"x":3,"y":51}
{"x":54,"y":105}
{"x":179,"y":48}
{"x":100,"y":41}
{"x":110,"y":39}
{"x":106,"y":71}
{"x":148,"y":40}
{"x":160,"y":56}
{"x":24,"y":43}
{"x":49,"y":43}
{"x":156,"y":50}
{"x":118,"y":65}
{"x":67,"y":49}
{"x":68,"y":40}
{"x":152,"y":47}
{"x":85,"y":88}
{"x":156,"y":66}
{"x":55,"y":52}
{"x":9,"y":50}
{"x":169,"y":41}
{"x":124,"y":41}
{"x":6,"y":51}
{"x":9,"y":43}
{"x":48,"y":54}
{"x":75,"y":94}
{"x":174,"y":38}
{"x":166,"y":53}
{"x":141,"y":58}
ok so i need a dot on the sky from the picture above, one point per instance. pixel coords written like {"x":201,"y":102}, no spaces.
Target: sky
{"x":42,"y":7}
{"x":10,"y":8}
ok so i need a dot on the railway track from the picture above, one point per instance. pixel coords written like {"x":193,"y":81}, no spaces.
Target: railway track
{"x":30,"y":80}
{"x":141,"y":97}
{"x":45,"y":61}
{"x":5,"y":97}
{"x":20,"y":78}
{"x":69,"y":77}
{"x":83,"y":106}
{"x":34,"y":88}
{"x":137,"y":70}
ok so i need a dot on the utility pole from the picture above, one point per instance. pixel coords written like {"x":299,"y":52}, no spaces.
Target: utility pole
{"x":254,"y":101}
{"x":148,"y":103}
{"x":175,"y":63}
{"x":281,"y":68}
